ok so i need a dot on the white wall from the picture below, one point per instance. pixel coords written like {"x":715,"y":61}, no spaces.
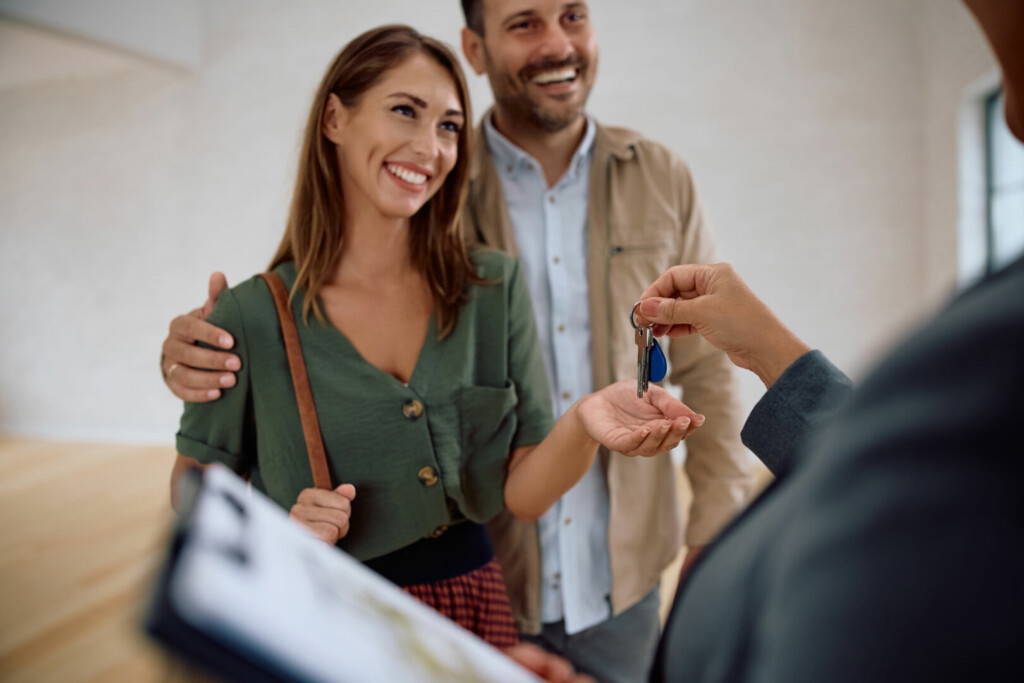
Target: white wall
{"x":819,"y":131}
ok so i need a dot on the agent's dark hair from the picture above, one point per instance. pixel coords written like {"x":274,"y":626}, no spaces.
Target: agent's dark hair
{"x":473,"y":11}
{"x":315,"y":233}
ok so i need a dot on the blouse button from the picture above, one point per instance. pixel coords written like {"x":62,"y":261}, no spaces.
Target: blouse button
{"x":412,"y":409}
{"x":427,"y":476}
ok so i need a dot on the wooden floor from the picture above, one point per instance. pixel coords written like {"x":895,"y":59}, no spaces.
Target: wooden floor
{"x":82,"y":527}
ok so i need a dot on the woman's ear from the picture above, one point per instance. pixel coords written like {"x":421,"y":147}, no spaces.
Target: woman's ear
{"x":332,"y":124}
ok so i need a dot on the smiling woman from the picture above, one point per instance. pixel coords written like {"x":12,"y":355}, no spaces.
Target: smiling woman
{"x":421,"y":355}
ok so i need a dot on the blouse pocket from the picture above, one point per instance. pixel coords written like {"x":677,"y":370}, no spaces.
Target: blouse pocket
{"x":487,"y":425}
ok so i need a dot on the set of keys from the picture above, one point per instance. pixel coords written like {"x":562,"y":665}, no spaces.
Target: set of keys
{"x":651,"y":365}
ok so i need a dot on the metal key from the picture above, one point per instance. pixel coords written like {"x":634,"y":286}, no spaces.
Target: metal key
{"x":644,"y":340}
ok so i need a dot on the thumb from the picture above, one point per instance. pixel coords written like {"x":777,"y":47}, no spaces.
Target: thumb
{"x":346,"y":491}
{"x":218,"y":283}
{"x":664,"y":311}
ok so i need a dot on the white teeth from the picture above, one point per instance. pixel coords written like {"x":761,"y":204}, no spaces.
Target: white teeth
{"x":406,"y":175}
{"x":555,"y":76}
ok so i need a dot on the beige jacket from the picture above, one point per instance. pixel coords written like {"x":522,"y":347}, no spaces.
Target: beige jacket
{"x":643,"y":217}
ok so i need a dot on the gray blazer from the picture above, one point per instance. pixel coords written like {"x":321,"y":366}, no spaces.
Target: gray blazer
{"x":891,"y":545}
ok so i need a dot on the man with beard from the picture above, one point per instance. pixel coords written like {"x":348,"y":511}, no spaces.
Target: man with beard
{"x":595,"y":213}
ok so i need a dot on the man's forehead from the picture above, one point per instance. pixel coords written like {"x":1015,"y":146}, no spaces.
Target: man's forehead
{"x":503,"y":9}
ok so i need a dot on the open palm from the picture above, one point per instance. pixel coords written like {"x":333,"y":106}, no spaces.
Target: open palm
{"x":618,"y":420}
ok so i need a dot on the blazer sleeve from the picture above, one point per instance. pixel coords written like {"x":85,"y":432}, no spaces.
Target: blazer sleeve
{"x":902,"y":559}
{"x":809,"y":392}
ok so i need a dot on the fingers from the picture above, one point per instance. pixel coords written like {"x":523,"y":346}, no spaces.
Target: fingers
{"x":676,"y":281}
{"x":659,"y":434}
{"x":326,"y":513}
{"x":669,"y":311}
{"x":326,"y":499}
{"x":197,"y":385}
{"x":347,"y":491}
{"x":548,"y":666}
{"x":181,"y":363}
{"x":667,"y":404}
{"x":328,"y":533}
{"x":314,"y":514}
{"x":190,"y":329}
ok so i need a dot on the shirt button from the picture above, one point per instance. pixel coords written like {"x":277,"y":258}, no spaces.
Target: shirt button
{"x":561,"y":328}
{"x":551,"y":199}
{"x":510,"y":168}
{"x":427,"y":476}
{"x":556,"y":260}
{"x":568,"y":521}
{"x":566,"y":395}
{"x":412,"y":409}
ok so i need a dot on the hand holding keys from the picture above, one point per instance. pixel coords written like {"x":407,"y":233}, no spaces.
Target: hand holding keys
{"x":651,"y":365}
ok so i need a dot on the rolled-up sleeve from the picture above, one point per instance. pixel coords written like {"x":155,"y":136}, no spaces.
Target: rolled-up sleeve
{"x":222,"y":430}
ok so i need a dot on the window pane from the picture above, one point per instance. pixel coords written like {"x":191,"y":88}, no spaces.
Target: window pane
{"x":1007,"y":227}
{"x":1005,"y":189}
{"x":1007,"y":152}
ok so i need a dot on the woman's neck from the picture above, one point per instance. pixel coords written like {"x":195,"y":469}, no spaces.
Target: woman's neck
{"x":375,"y":249}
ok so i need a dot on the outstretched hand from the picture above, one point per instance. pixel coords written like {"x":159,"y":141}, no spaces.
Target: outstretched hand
{"x":618,"y":420}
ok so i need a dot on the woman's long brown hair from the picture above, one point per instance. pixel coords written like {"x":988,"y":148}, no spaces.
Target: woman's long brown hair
{"x":316,"y":223}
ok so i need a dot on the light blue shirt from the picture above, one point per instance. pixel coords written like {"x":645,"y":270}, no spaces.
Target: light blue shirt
{"x":550,"y":226}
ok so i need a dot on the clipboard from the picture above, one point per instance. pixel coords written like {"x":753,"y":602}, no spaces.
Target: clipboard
{"x":248,"y":594}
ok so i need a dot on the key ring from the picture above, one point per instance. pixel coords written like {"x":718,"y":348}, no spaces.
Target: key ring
{"x":632,"y":318}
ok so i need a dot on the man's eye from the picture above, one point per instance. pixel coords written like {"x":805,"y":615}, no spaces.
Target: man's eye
{"x":404,"y":110}
{"x":574,"y":17}
{"x":522,"y":25}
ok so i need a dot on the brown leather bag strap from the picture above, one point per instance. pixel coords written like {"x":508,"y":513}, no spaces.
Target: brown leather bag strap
{"x":300,"y":380}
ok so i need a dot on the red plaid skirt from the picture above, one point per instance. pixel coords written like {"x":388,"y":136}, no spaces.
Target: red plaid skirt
{"x":476,"y":601}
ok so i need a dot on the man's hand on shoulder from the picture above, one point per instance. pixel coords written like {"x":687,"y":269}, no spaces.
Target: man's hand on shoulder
{"x":194,"y":373}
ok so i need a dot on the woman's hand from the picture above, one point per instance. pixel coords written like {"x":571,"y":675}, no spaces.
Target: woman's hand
{"x":551,"y":668}
{"x":325,"y":513}
{"x":618,"y":420}
{"x":713,"y":301}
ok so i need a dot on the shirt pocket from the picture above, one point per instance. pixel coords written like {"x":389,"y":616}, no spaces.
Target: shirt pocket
{"x":487,"y":425}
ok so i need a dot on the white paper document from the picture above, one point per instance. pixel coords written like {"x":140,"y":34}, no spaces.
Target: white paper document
{"x":246,"y":576}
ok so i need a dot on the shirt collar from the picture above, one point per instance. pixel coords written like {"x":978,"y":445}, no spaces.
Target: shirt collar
{"x":510,"y":159}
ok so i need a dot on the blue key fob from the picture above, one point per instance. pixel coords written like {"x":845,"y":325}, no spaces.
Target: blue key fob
{"x":657,"y":363}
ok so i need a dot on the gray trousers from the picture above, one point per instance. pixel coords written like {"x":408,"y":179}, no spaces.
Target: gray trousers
{"x":619,"y":650}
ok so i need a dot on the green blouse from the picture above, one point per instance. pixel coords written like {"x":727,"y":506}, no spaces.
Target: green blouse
{"x":422,"y":455}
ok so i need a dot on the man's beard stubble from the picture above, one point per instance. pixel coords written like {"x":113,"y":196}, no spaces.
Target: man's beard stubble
{"x":515,"y":99}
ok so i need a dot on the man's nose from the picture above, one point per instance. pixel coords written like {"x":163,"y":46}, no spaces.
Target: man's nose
{"x":556,"y":44}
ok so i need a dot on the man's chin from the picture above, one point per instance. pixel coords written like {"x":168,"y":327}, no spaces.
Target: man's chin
{"x":555,"y":121}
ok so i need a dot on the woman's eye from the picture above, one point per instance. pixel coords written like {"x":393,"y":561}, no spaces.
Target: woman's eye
{"x":404,"y":110}
{"x":451,"y":126}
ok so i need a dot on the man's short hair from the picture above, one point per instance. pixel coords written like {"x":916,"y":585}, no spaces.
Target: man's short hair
{"x":473,"y":11}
